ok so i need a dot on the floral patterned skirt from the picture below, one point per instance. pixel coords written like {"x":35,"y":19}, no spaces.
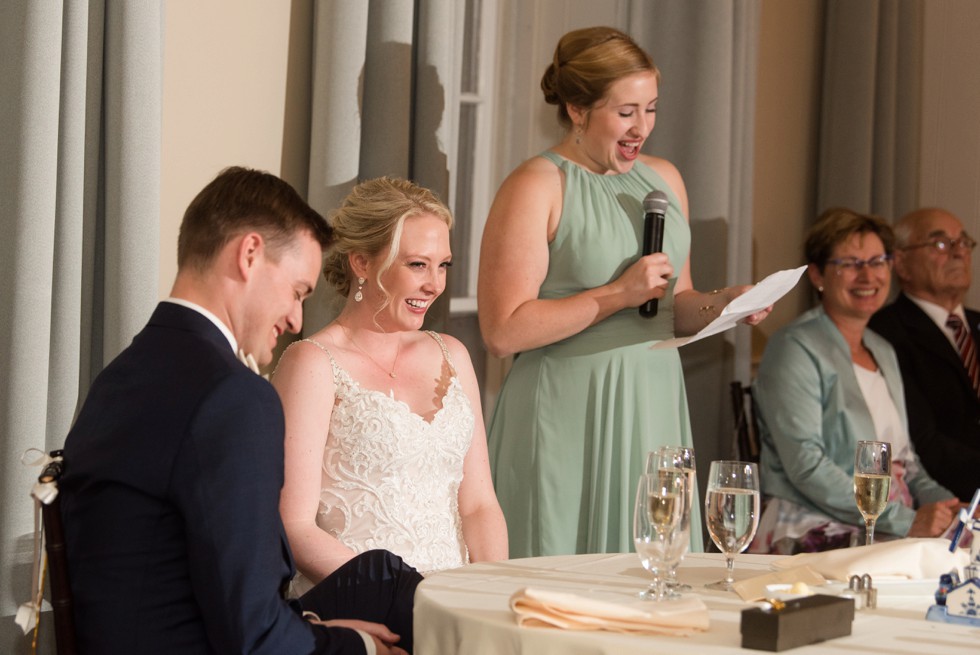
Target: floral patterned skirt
{"x":787,"y":528}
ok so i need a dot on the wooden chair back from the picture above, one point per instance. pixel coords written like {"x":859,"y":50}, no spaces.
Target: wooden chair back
{"x":54,"y":539}
{"x":746,"y":446}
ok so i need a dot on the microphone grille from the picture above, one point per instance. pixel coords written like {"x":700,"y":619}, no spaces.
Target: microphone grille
{"x":655,"y":203}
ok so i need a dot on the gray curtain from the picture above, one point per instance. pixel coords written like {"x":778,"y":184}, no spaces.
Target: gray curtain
{"x":384,"y":74}
{"x":79,"y":200}
{"x":706,"y":52}
{"x":871,"y":106}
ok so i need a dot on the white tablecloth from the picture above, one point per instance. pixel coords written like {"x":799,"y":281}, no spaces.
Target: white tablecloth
{"x":466,"y":611}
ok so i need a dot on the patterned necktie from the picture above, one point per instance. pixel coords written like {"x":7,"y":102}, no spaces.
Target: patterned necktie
{"x":966,"y":348}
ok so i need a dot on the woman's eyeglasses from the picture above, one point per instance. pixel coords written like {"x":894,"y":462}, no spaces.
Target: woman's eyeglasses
{"x":849,"y":265}
{"x":946,"y":244}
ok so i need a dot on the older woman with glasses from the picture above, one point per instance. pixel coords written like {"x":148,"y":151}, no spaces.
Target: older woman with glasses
{"x":825,"y":382}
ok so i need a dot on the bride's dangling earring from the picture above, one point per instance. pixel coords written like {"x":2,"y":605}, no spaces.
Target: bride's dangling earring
{"x":358,"y":297}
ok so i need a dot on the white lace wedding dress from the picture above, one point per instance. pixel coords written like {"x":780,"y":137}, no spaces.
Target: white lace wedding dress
{"x":390,"y":478}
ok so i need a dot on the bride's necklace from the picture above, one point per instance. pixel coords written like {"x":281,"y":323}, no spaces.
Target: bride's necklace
{"x":398,"y":349}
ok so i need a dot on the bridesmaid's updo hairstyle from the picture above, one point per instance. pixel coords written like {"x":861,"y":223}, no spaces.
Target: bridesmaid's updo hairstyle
{"x":586,"y":62}
{"x":371,"y":219}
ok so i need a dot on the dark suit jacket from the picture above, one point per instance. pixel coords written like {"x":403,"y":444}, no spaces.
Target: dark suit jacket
{"x":944,"y":412}
{"x":170,"y":502}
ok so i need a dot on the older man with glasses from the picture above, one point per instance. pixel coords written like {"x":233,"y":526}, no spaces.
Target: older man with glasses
{"x":936,"y":341}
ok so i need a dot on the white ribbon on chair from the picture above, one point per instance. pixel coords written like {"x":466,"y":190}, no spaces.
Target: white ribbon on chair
{"x":42,"y":492}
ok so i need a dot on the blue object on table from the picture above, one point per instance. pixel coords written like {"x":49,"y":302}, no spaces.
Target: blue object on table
{"x":956,"y":601}
{"x":965,"y":517}
{"x":962,"y":605}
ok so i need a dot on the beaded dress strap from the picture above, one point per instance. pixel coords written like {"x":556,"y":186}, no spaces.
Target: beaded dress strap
{"x":445,"y":350}
{"x":333,"y":362}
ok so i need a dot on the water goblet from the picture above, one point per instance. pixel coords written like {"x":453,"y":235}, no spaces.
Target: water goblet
{"x":872,"y":481}
{"x":674,"y":459}
{"x":731,"y":509}
{"x":656,"y":518}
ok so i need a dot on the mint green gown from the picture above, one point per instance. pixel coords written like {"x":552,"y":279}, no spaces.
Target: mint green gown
{"x":574,"y":420}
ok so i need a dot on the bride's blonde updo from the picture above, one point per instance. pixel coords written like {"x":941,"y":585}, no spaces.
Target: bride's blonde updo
{"x":586,"y":62}
{"x":370,"y":219}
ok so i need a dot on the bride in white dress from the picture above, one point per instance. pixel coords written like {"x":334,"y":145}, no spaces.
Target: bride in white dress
{"x":385,"y":443}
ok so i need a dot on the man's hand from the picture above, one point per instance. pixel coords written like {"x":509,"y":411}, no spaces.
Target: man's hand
{"x":384,"y":639}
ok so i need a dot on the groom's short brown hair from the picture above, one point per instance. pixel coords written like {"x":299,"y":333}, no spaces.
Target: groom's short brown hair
{"x":241,"y":200}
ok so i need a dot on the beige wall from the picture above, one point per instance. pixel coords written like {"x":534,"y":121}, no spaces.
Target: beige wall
{"x":787,"y":121}
{"x":225,"y":101}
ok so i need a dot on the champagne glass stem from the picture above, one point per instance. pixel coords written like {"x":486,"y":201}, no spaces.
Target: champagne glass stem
{"x":869,"y":528}
{"x":730,"y":570}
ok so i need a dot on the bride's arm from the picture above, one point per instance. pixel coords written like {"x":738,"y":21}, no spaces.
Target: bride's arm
{"x":484,"y":528}
{"x":304,"y":380}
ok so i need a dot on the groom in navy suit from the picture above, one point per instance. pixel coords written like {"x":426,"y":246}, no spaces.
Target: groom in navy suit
{"x":933,"y":261}
{"x":174,"y":465}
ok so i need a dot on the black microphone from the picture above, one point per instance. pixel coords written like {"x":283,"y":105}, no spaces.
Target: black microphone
{"x":654,"y":210}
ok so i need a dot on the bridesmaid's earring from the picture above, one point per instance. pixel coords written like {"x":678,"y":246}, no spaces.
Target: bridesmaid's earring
{"x":358,"y":297}
{"x":578,"y":134}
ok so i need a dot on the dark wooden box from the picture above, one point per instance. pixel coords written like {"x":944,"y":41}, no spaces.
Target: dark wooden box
{"x":802,"y":621}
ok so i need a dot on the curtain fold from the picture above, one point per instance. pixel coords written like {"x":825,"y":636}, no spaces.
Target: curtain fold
{"x":384,"y":84}
{"x":871,"y":106}
{"x":79,"y":201}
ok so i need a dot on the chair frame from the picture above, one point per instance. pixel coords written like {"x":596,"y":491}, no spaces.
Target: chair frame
{"x":746,"y":445}
{"x":54,"y":544}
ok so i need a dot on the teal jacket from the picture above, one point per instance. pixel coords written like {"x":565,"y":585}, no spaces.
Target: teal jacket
{"x":811,"y":415}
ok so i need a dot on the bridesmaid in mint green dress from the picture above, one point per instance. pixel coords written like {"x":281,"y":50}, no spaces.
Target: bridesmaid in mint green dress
{"x":561,"y":278}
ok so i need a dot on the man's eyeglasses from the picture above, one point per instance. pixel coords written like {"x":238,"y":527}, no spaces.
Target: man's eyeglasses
{"x":853,"y":264}
{"x":946,"y":244}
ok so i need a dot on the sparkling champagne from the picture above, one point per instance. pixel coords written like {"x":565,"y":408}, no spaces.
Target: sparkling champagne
{"x":664,"y":511}
{"x":733,"y":516}
{"x":871,"y":493}
{"x":680,"y":541}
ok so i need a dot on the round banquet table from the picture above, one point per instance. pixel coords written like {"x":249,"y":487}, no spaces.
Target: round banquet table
{"x":467,"y":611}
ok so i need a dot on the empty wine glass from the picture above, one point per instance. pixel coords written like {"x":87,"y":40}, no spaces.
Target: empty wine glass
{"x":872,"y":481}
{"x":677,"y":458}
{"x":731,"y":509}
{"x":656,"y":518}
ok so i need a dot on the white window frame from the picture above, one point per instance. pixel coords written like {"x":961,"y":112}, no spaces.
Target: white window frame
{"x":483,"y":184}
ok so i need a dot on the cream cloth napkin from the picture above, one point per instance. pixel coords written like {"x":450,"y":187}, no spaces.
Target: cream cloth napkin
{"x":916,"y":559}
{"x":554,"y":609}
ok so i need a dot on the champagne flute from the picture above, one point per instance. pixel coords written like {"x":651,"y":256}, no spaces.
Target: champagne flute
{"x":674,"y":459}
{"x":656,"y":517}
{"x":731,"y":509}
{"x":872,"y":481}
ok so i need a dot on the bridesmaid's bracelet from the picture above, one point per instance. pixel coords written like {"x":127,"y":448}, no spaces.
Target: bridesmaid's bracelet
{"x":705,"y":313}
{"x":706,"y":310}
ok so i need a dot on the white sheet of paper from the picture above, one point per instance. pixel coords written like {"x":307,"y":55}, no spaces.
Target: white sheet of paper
{"x":754,"y":300}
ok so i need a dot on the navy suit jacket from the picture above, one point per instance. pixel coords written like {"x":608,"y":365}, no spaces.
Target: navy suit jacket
{"x":170,"y":502}
{"x":943,"y":409}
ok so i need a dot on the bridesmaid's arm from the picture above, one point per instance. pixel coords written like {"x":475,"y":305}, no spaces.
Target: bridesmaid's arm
{"x":304,"y":380}
{"x":484,"y":528}
{"x":693,"y":309}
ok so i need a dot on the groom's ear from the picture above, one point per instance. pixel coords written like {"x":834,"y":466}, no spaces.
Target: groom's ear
{"x":250,"y":251}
